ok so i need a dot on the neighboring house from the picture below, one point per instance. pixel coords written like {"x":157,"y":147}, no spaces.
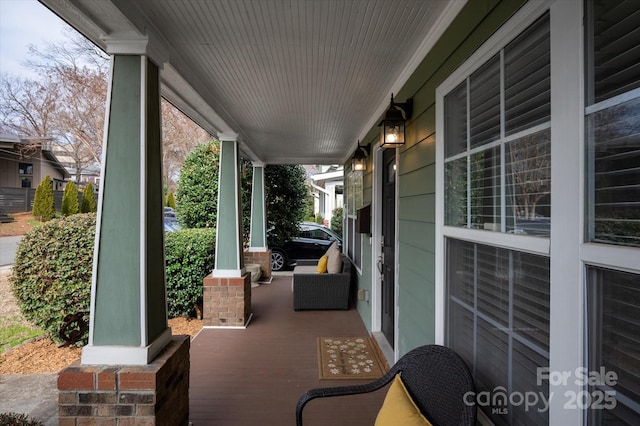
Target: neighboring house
{"x":327,"y":188}
{"x":24,"y":163}
{"x":89,"y":172}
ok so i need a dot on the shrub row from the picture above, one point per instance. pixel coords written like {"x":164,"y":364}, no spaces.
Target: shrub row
{"x":53,"y":267}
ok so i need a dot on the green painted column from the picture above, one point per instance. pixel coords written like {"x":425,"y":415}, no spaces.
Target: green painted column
{"x":128,"y":293}
{"x":258,"y":233}
{"x":229,"y":259}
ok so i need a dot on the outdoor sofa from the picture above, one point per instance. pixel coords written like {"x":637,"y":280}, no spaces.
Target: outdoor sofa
{"x":314,"y":290}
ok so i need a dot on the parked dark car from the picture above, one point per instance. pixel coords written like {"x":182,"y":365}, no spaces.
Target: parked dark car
{"x":171,"y":225}
{"x":313,"y":242}
{"x":170,"y":222}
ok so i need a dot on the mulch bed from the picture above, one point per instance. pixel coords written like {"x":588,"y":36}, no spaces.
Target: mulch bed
{"x":43,"y":356}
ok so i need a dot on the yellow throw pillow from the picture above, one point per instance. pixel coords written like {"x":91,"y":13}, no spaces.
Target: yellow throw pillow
{"x":399,"y":409}
{"x":322,"y":264}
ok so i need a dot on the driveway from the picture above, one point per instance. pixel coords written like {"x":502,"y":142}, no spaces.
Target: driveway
{"x":8,"y":247}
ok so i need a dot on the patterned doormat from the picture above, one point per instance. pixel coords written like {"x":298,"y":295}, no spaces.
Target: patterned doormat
{"x":348,"y":358}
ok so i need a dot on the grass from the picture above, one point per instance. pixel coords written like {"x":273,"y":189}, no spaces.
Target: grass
{"x":13,"y":335}
{"x":34,"y":222}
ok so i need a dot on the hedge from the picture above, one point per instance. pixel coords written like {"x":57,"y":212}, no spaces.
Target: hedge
{"x":189,"y":256}
{"x":53,"y":267}
{"x":52,"y":271}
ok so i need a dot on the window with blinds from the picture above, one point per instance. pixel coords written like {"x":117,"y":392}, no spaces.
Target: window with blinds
{"x":352,"y":239}
{"x":497,"y":140}
{"x":613,"y":48}
{"x":498,"y":321}
{"x":613,"y":121}
{"x":614,"y":321}
{"x":614,"y":174}
{"x":612,"y":133}
{"x":527,"y":80}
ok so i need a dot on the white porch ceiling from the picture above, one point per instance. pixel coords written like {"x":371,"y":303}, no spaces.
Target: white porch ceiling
{"x":300,"y":81}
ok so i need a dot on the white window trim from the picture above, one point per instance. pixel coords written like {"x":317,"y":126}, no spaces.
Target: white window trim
{"x":567,"y":231}
{"x":567,"y":292}
{"x":526,"y":16}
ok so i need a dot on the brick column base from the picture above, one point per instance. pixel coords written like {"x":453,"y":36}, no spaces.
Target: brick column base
{"x":262,"y":258}
{"x":150,"y":395}
{"x":226,"y":302}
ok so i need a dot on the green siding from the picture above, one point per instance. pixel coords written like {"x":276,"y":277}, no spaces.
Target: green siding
{"x":418,"y":208}
{"x":416,"y":282}
{"x":117,"y":313}
{"x":419,"y":235}
{"x":477,"y":21}
{"x":156,"y":294}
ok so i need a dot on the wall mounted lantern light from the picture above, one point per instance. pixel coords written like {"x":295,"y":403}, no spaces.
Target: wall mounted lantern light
{"x":393,"y":134}
{"x":359,"y":160}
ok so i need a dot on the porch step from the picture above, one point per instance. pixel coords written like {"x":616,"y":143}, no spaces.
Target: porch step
{"x":5,"y":218}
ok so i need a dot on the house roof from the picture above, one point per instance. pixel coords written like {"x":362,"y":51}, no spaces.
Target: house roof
{"x":299,"y":81}
{"x":10,"y":142}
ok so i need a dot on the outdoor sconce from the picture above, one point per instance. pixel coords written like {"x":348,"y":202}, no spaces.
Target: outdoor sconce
{"x":393,"y":134}
{"x":359,"y":160}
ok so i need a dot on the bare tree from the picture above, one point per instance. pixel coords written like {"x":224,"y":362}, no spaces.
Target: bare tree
{"x":66,"y":105}
{"x":180,"y":136}
{"x":28,"y":107}
{"x":530,"y":168}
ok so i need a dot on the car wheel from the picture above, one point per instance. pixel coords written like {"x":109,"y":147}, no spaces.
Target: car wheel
{"x":278,"y":260}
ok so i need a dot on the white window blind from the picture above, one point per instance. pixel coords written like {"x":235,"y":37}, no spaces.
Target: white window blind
{"x":498,"y":320}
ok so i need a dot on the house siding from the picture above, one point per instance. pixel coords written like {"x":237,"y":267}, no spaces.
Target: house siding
{"x":416,"y":197}
{"x":415,"y":303}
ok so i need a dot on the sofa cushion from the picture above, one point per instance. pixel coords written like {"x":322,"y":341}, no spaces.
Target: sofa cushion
{"x":333,"y":247}
{"x":334,"y":264}
{"x":305,"y":269}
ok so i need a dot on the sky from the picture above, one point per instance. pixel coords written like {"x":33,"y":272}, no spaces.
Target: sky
{"x":25,"y":22}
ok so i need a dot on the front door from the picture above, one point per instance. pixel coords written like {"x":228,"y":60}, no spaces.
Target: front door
{"x":388,"y":243}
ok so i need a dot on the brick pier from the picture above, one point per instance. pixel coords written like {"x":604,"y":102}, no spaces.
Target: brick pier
{"x":226,"y":302}
{"x":150,"y":395}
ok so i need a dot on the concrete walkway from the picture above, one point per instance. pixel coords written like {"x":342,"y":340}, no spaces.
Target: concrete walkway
{"x":35,"y":395}
{"x":8,"y":247}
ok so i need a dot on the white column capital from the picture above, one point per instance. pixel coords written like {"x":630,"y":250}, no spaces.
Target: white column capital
{"x":132,"y":43}
{"x":258,"y":164}
{"x":227,"y":137}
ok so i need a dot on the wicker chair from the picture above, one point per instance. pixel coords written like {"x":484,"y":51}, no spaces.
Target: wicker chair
{"x":435,"y":376}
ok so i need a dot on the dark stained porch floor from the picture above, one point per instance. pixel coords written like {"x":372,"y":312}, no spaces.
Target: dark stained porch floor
{"x":255,"y":376}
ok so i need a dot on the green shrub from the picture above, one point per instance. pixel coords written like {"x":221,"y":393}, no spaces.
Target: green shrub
{"x":15,"y":419}
{"x":197,"y":195}
{"x":70,"y":203}
{"x":319,"y":219}
{"x":89,"y":204}
{"x":337,"y":218}
{"x":52,"y":271}
{"x":44,"y":207}
{"x":171,"y":201}
{"x":53,"y":266}
{"x":189,"y":254}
